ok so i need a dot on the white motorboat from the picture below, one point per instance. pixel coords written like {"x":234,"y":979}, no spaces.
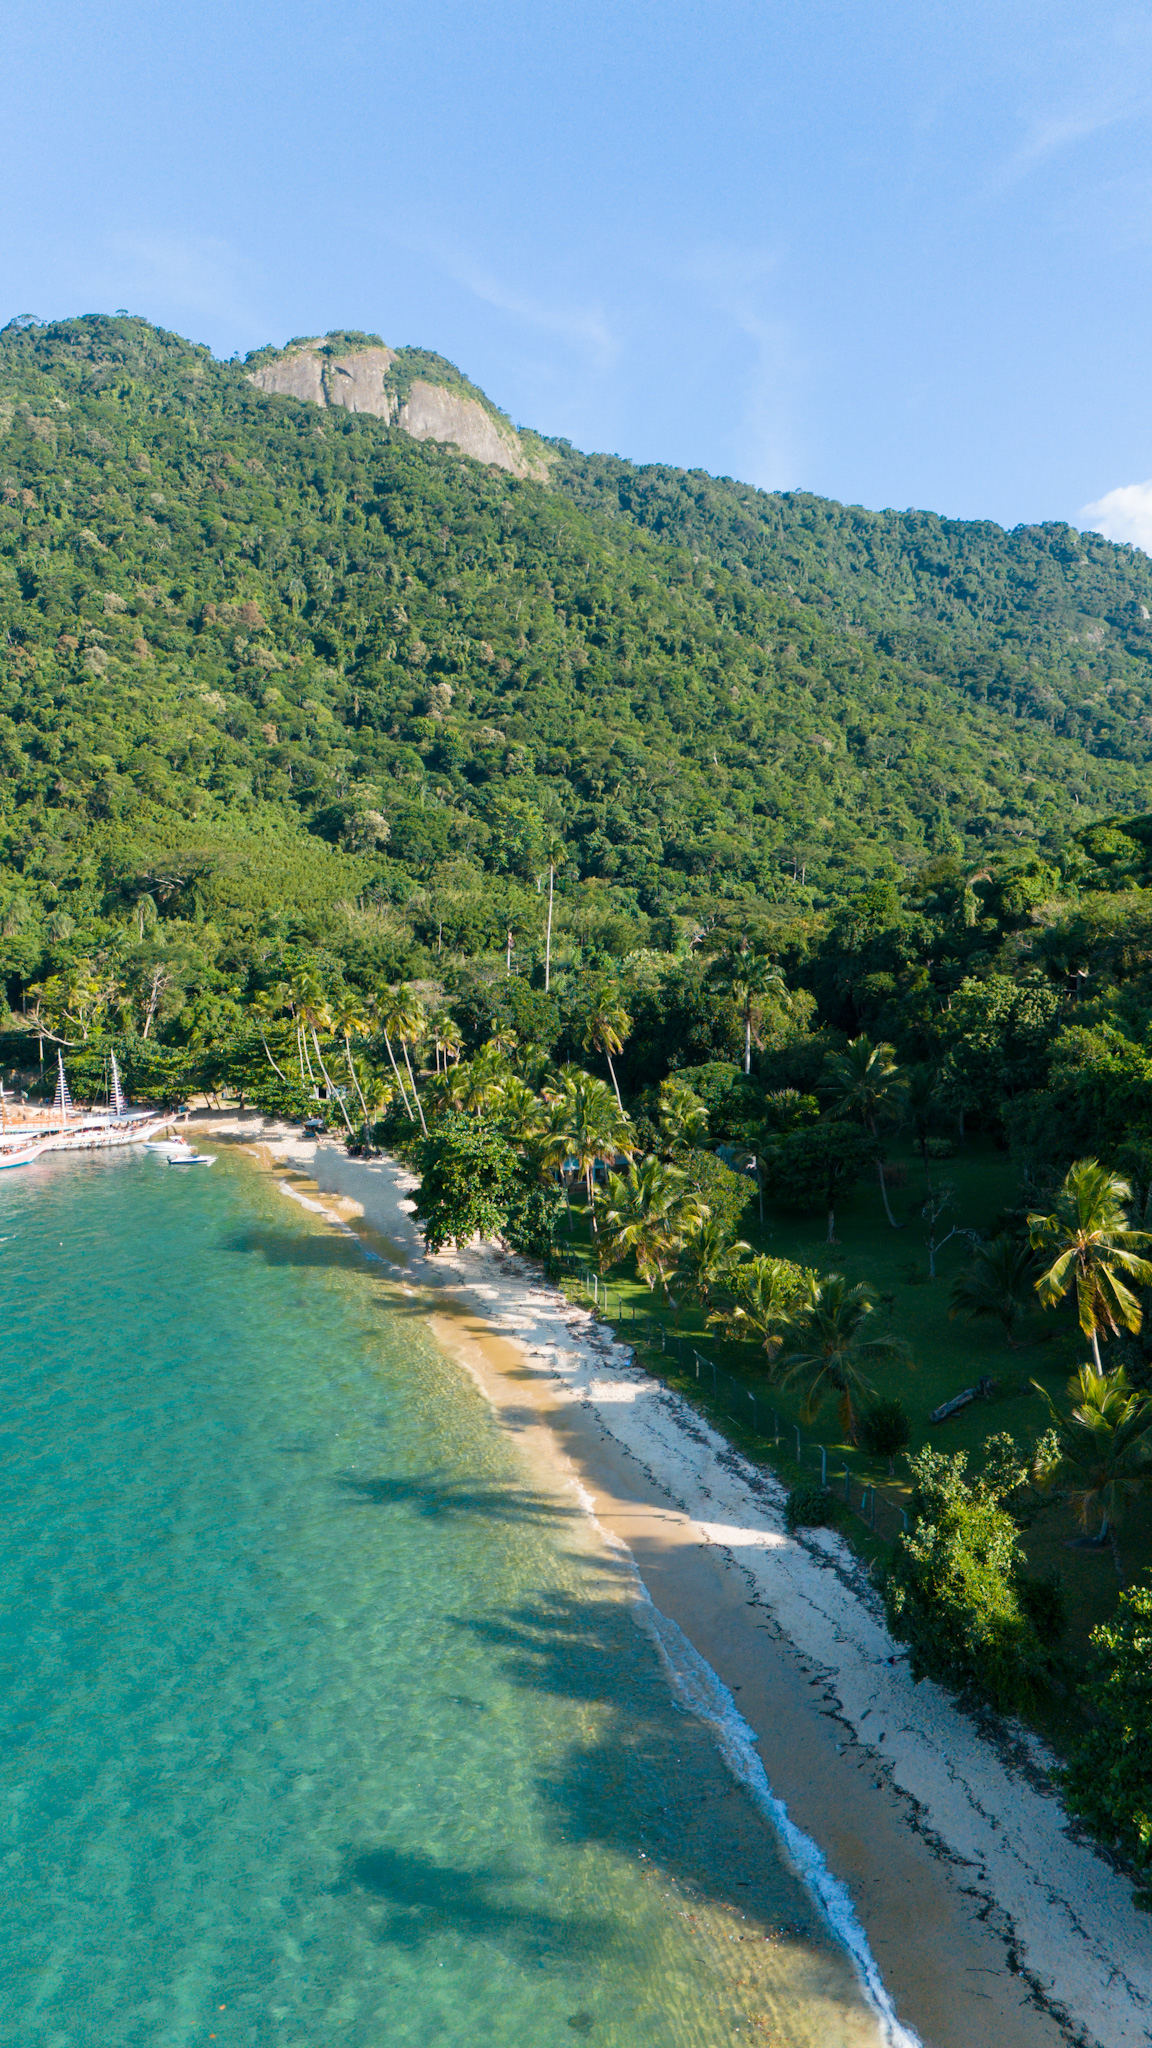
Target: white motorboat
{"x":168,"y":1148}
{"x":21,"y":1153}
{"x":190,"y":1158}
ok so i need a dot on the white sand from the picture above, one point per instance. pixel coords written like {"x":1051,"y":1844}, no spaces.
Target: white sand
{"x":1065,"y":1953}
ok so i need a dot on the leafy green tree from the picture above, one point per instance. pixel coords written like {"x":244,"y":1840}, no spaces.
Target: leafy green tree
{"x":816,"y":1166}
{"x":1108,"y":1782}
{"x":1088,"y":1244}
{"x":866,"y":1082}
{"x":468,"y":1176}
{"x":1099,"y":1456}
{"x":829,"y":1348}
{"x":922,"y":1104}
{"x":952,"y":1591}
{"x":995,"y":1285}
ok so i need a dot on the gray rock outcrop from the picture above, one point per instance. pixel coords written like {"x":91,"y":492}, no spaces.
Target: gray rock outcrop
{"x":358,"y":381}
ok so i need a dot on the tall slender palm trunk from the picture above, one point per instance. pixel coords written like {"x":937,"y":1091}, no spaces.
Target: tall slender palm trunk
{"x":415,"y":1090}
{"x":399,"y":1082}
{"x":271,"y":1061}
{"x":330,"y":1084}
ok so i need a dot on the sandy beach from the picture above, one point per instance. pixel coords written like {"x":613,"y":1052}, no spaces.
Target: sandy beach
{"x":989,"y":1923}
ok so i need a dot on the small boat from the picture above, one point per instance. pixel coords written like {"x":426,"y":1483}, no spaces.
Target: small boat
{"x":168,"y":1148}
{"x":189,"y":1158}
{"x":22,"y":1154}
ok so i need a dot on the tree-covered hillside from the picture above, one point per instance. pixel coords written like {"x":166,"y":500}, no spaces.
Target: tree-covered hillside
{"x":317,"y":662}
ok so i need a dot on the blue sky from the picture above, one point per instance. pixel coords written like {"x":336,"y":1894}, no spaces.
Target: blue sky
{"x":896,"y":254}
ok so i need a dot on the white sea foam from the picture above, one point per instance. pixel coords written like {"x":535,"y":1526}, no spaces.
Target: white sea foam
{"x":703,"y":1694}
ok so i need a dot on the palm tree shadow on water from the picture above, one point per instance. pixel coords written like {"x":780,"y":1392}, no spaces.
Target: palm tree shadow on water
{"x":424,"y":1900}
{"x":430,"y":1495}
{"x":644,"y":1782}
{"x":648,"y":1780}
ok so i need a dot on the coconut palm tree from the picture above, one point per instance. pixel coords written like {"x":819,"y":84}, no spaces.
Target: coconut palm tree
{"x":384,"y":1007}
{"x":349,"y":1019}
{"x":447,"y":1039}
{"x":746,"y":973}
{"x":589,"y":1127}
{"x":649,"y":1211}
{"x":478,"y":1083}
{"x":683,"y":1117}
{"x":606,"y":1028}
{"x":766,"y":1293}
{"x":518,"y":1111}
{"x":995,"y":1285}
{"x":867,"y":1083}
{"x":315,"y":1016}
{"x":265,"y":1008}
{"x":829,"y":1348}
{"x":1089,"y":1244}
{"x":1099,"y":1456}
{"x":407,"y":1021}
{"x":708,"y":1261}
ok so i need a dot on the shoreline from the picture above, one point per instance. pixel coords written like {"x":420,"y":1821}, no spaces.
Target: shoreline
{"x":986,"y":1921}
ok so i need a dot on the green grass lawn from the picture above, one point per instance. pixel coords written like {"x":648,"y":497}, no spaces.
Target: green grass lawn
{"x":944,"y":1356}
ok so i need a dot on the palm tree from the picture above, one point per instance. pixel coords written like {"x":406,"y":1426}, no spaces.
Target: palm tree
{"x":868,"y":1083}
{"x":1098,"y":1456}
{"x":683,"y":1117}
{"x":765,"y":1292}
{"x":348,"y":1019}
{"x":384,"y":1002}
{"x":518,"y":1111}
{"x":708,"y":1261}
{"x":315,"y":1016}
{"x":447,"y":1039}
{"x":406,"y":1020}
{"x":589,"y":1127}
{"x":479,"y":1082}
{"x":828,"y":1348}
{"x":1089,"y":1243}
{"x":606,"y":1029}
{"x":995,"y":1284}
{"x":266,"y":1007}
{"x":746,"y":973}
{"x":649,"y":1211}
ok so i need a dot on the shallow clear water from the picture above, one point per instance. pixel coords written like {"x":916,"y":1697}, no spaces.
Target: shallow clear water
{"x":318,"y":1724}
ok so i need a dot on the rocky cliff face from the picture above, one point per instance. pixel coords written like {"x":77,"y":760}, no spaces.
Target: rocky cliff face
{"x":359,"y":381}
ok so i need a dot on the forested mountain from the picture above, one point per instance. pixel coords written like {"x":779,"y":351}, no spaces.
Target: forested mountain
{"x":285,"y":656}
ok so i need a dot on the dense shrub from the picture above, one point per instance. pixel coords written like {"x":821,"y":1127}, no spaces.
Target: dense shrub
{"x":808,"y":1506}
{"x":1109,"y":1780}
{"x":953,"y":1591}
{"x":884,"y":1430}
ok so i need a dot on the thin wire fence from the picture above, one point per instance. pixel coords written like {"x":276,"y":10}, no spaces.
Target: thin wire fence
{"x":885,"y":1516}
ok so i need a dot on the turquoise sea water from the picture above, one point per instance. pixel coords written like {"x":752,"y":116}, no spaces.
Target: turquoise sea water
{"x":319,"y":1723}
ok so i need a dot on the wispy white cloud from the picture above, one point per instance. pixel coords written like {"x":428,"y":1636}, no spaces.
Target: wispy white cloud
{"x":740,"y":285}
{"x":1124,"y":514}
{"x":584,"y":325}
{"x":1049,"y":134}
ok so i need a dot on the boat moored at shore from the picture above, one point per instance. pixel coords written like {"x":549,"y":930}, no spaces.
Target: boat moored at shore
{"x":65,"y":1128}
